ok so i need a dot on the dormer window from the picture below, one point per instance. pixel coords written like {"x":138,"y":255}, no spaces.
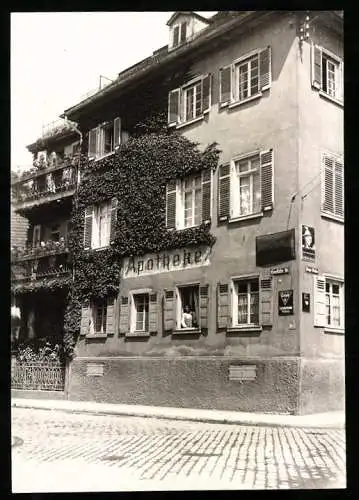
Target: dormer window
{"x":179,"y":32}
{"x":184,"y":26}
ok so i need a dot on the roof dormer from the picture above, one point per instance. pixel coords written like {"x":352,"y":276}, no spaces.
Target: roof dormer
{"x":184,"y":26}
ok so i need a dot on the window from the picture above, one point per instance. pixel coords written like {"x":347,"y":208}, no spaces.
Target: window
{"x":36,"y":235}
{"x":245,"y":78}
{"x":179,"y":34}
{"x":332,"y":186}
{"x":188,"y":307}
{"x":333,"y":299}
{"x":141,"y":312}
{"x":327,"y":72}
{"x":246,"y":302}
{"x":55,"y":233}
{"x":189,"y":201}
{"x":245,"y":186}
{"x":189,"y":102}
{"x":104,"y":138}
{"x":99,"y":224}
{"x":99,"y":316}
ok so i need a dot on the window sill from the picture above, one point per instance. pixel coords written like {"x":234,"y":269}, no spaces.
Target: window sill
{"x":333,"y":217}
{"x":330,"y":98}
{"x":137,"y":334}
{"x":248,"y":99}
{"x":244,"y":329}
{"x":104,"y":156}
{"x":328,"y":329}
{"x":186,"y":331}
{"x":189,"y":122}
{"x":96,"y":335}
{"x":246,"y":217}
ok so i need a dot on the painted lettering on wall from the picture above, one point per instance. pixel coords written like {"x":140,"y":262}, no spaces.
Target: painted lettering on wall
{"x":167,"y":261}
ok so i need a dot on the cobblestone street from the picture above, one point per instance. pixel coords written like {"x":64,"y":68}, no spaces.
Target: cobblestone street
{"x":55,"y":451}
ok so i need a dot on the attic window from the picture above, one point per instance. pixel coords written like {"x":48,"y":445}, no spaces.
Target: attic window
{"x":179,"y":33}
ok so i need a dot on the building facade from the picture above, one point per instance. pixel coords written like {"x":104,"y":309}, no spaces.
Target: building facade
{"x":252,"y":319}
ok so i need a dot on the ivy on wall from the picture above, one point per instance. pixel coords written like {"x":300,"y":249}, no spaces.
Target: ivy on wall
{"x":136,"y":174}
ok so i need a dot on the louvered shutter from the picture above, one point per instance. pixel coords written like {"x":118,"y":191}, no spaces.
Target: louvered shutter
{"x":265,"y":70}
{"x":117,"y":132}
{"x":124,"y":315}
{"x":113,"y":221}
{"x":206,"y":93}
{"x":153,"y":312}
{"x":223,"y":303}
{"x":169,"y":310}
{"x":175,"y":36}
{"x":339,"y":189}
{"x":206,"y":195}
{"x":266,"y":162}
{"x":174,"y":106}
{"x":88,"y":227}
{"x":171,"y":194}
{"x":224,"y":188}
{"x":183,"y":32}
{"x":266,"y":302}
{"x":110,"y":316}
{"x":316,"y":53}
{"x":225,"y":85}
{"x":203,"y":306}
{"x":319,"y":300}
{"x":327,"y":184}
{"x":85,"y":319}
{"x":92,"y":142}
{"x":341,"y":82}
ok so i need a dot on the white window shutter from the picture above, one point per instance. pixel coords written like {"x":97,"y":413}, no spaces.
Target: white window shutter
{"x":341,"y":81}
{"x":316,"y":66}
{"x":224,"y":189}
{"x":339,"y":189}
{"x":265,"y":68}
{"x":92,"y":142}
{"x":117,"y":132}
{"x":266,"y":301}
{"x":85,"y":319}
{"x":124,"y":315}
{"x":267,"y":181}
{"x":206,"y":93}
{"x":174,"y":105}
{"x":206,"y":195}
{"x":327,"y":183}
{"x":113,"y":218}
{"x":171,"y":201}
{"x":319,"y":300}
{"x":88,"y":227}
{"x":110,"y":316}
{"x":225,"y":85}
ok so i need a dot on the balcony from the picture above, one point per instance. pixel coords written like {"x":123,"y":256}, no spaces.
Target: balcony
{"x":49,"y":180}
{"x":43,"y":249}
{"x":33,"y":268}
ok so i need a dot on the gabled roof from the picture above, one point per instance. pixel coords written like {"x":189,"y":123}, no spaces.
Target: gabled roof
{"x":187,"y":13}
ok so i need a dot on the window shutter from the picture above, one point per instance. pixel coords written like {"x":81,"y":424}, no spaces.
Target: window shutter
{"x":223,"y":301}
{"x":175,"y":36}
{"x":85,"y":319}
{"x":153,"y":312}
{"x":206,"y":195}
{"x":224,"y":187}
{"x":110,"y":316}
{"x":319,"y":300}
{"x":117,"y":132}
{"x":266,"y":302}
{"x":339,"y":189}
{"x":183,"y":32}
{"x":114,"y":204}
{"x":92,"y":145}
{"x":203,"y":306}
{"x":206,"y":93}
{"x":171,"y":194}
{"x":341,"y":82}
{"x":266,"y":161}
{"x":169,"y":311}
{"x":225,"y":85}
{"x":88,"y":227}
{"x":124,"y":311}
{"x":265,"y":69}
{"x":174,"y":106}
{"x":327,"y":184}
{"x":316,"y":67}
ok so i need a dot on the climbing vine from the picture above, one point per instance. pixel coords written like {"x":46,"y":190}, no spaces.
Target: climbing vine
{"x":136,"y":174}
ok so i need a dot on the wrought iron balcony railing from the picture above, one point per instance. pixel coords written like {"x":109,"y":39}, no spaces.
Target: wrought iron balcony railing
{"x":43,"y":249}
{"x":34,"y":269}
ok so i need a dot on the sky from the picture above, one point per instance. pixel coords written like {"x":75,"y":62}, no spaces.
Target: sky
{"x":57,"y":57}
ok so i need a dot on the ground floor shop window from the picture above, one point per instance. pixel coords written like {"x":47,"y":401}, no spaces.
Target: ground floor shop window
{"x":140,"y":312}
{"x":99,"y":316}
{"x":188,"y":307}
{"x":246,"y":302}
{"x":334,"y":292}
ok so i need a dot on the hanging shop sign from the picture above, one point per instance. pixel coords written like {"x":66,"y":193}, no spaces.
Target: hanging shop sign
{"x":167,"y":261}
{"x":279,"y":270}
{"x":306,"y":302}
{"x":285,"y":302}
{"x":308,"y":243}
{"x":311,"y":270}
{"x":273,"y":249}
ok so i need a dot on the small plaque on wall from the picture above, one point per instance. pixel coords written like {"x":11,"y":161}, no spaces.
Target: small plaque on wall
{"x":305,"y":302}
{"x":242,"y":372}
{"x":308,"y":243}
{"x":285,"y":302}
{"x":94,"y":370}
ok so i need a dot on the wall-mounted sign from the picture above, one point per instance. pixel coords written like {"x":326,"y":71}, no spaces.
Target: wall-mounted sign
{"x":311,"y":270}
{"x":285,"y":302}
{"x":94,"y":370}
{"x":305,"y":302}
{"x":279,"y":270}
{"x":242,"y":372}
{"x":275,"y":248}
{"x":167,"y":261}
{"x":308,"y":242}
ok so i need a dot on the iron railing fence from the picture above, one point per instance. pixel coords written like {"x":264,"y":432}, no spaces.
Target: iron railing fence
{"x":37,"y":376}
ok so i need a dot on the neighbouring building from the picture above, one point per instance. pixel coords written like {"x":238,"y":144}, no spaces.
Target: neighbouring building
{"x":254,"y":321}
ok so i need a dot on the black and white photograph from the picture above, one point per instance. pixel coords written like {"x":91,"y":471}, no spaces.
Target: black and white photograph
{"x":177,"y":251}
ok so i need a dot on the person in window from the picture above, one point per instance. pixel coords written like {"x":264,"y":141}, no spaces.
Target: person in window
{"x":15,"y":322}
{"x":188,"y":318}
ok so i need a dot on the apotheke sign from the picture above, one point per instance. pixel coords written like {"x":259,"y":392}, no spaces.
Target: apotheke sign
{"x":167,"y":261}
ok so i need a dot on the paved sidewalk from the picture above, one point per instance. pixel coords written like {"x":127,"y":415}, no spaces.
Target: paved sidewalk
{"x":329,"y":420}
